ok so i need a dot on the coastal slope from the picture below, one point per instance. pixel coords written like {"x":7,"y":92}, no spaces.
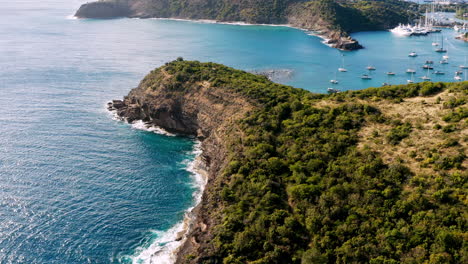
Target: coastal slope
{"x":333,"y":20}
{"x":370,"y":176}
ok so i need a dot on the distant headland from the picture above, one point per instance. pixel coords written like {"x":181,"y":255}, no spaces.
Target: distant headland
{"x":329,"y":19}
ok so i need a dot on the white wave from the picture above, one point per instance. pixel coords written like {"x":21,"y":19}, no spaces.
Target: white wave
{"x":151,"y":128}
{"x":73,"y":17}
{"x":140,"y":125}
{"x":163,"y":250}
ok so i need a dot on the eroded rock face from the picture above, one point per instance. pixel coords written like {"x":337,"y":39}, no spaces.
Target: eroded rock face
{"x":208,"y":113}
{"x":103,"y":9}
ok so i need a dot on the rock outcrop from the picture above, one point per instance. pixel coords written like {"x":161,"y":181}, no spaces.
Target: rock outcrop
{"x":199,"y":110}
{"x":104,"y":9}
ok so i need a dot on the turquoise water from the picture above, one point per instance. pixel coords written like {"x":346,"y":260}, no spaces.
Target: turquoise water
{"x":77,"y":186}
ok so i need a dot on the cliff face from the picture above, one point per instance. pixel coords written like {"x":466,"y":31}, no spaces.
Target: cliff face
{"x":296,"y":177}
{"x":200,"y":110}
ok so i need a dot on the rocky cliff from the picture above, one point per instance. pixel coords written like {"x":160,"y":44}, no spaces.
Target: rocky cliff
{"x":195,"y":108}
{"x":332,"y":20}
{"x":295,"y":177}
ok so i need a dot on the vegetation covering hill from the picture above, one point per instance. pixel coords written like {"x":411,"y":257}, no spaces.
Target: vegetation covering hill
{"x":334,"y":19}
{"x":353,"y":16}
{"x":371,"y":176}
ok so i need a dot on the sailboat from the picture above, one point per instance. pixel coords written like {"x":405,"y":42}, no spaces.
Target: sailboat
{"x":342,"y":68}
{"x":410,"y":80}
{"x":334,"y":81}
{"x":412,"y":69}
{"x":426,"y":77}
{"x":464,"y":66}
{"x":441,"y":49}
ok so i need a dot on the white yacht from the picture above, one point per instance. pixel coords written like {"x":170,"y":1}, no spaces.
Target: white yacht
{"x":413,"y":54}
{"x":402,"y":30}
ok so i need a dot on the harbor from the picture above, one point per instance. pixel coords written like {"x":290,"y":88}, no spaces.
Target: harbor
{"x":435,"y":34}
{"x":395,"y":59}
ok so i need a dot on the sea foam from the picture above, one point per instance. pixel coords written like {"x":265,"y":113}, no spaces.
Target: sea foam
{"x":151,"y":128}
{"x":163,"y":249}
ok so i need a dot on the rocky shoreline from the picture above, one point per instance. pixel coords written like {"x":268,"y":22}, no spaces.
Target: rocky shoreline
{"x":204,"y":113}
{"x":131,"y":113}
{"x":106,"y":10}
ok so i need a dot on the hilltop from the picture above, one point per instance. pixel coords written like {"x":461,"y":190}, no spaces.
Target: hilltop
{"x":333,"y":20}
{"x":371,"y":176}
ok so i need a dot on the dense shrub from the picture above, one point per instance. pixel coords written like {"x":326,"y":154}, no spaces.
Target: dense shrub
{"x":398,"y":133}
{"x":301,"y":191}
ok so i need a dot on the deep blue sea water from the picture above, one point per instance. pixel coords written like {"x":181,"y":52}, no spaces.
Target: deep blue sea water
{"x":77,"y":186}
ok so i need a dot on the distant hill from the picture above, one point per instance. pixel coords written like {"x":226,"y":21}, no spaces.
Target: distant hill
{"x":332,"y":19}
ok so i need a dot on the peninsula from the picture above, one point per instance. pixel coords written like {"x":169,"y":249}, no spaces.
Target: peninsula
{"x":330,"y":19}
{"x":371,"y":176}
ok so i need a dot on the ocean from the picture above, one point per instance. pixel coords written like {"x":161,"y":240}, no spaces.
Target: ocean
{"x":79,"y":186}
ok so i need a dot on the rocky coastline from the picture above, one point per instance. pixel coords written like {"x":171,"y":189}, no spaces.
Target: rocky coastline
{"x":206,"y":114}
{"x":114,"y":9}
